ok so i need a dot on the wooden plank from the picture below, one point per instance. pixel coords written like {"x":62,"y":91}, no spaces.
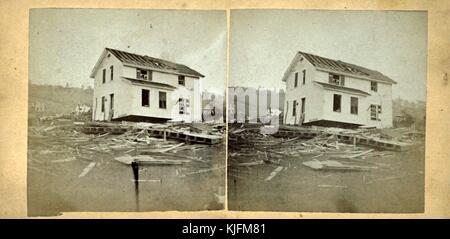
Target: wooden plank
{"x":171,"y":148}
{"x":357,"y":155}
{"x":64,"y":160}
{"x":254,"y":163}
{"x":274,"y":173}
{"x":203,"y":171}
{"x":87,"y":169}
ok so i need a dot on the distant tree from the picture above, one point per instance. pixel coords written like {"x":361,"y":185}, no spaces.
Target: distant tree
{"x":67,"y":85}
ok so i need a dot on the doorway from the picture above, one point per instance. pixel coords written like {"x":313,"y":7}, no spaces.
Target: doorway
{"x":302,"y":116}
{"x":111,"y":106}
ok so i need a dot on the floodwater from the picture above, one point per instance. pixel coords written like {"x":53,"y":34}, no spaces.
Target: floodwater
{"x":396,"y":186}
{"x":56,"y":187}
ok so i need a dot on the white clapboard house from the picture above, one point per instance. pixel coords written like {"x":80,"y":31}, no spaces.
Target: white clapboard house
{"x":134,"y":87}
{"x":326,"y":92}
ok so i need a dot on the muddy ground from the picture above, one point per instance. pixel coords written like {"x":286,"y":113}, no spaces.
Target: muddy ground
{"x":55,"y":184}
{"x":395,"y":186}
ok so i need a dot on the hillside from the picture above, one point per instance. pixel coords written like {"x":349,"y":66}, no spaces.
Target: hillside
{"x":56,"y":99}
{"x":407,"y":113}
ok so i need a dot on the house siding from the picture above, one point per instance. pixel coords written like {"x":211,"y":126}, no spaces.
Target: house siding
{"x":344,"y":115}
{"x":319,"y":101}
{"x":117,"y":86}
{"x":127,"y":95}
{"x":383,"y":97}
{"x":310,"y":91}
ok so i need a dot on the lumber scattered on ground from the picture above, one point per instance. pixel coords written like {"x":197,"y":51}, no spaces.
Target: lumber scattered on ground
{"x":87,"y":169}
{"x":327,"y":148}
{"x":274,"y":173}
{"x":55,"y":143}
{"x":336,"y":165}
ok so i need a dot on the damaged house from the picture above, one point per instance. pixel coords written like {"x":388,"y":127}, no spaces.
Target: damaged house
{"x":326,"y":92}
{"x":136,"y":87}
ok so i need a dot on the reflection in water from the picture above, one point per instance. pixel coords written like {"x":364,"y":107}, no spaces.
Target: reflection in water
{"x":135,"y":168}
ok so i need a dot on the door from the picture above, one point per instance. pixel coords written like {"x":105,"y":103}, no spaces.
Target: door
{"x":302,"y":116}
{"x":111,"y":106}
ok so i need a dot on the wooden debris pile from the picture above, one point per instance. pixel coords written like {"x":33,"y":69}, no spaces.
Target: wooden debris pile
{"x":189,"y":133}
{"x":52,"y":144}
{"x":248,"y":147}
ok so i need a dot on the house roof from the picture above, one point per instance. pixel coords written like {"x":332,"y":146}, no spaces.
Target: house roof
{"x":341,"y":88}
{"x":337,"y":66}
{"x":152,"y":63}
{"x":150,"y":83}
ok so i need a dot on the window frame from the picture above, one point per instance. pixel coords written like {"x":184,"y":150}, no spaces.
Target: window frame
{"x":147,"y":98}
{"x":295,"y":79}
{"x":182,"y":79}
{"x":148,"y":74}
{"x":294,"y":107}
{"x":303,"y":106}
{"x":375,"y":112}
{"x":352,"y":106}
{"x":103,"y":104}
{"x":104,"y":76}
{"x":374,"y":86}
{"x":161,"y":93}
{"x":304,"y":76}
{"x":181,"y":110}
{"x":333,"y":81}
{"x":112,"y":72}
{"x":337,"y":109}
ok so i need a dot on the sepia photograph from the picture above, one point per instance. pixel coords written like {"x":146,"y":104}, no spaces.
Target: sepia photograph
{"x":126,"y":110}
{"x":326,"y":111}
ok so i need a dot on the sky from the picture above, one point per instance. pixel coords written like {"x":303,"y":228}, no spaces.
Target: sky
{"x":264,"y":42}
{"x":65,"y":44}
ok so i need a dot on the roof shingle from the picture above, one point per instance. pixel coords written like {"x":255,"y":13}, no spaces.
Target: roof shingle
{"x":154,"y":63}
{"x":346,"y":68}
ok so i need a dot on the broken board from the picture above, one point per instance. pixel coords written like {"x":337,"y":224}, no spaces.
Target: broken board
{"x":335,"y":165}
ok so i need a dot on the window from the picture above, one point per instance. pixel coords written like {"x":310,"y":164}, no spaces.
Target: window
{"x":143,"y":74}
{"x":336,"y":79}
{"x":294,"y":108}
{"x":103,"y":104}
{"x":304,"y":76}
{"x":181,"y":105}
{"x":187,"y":105}
{"x":181,"y":80}
{"x":111,"y":106}
{"x":104,"y":76}
{"x":112,"y":72}
{"x":373,"y":86}
{"x":337,"y":103}
{"x":354,"y":105}
{"x":162,"y":100}
{"x":296,"y":79}
{"x":145,"y":98}
{"x":303,"y":105}
{"x":375,"y":112}
{"x":287,"y":110}
{"x":111,"y":102}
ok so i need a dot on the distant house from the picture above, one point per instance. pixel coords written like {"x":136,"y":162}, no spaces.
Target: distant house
{"x":322,"y":91}
{"x":248,"y":106}
{"x":136,"y":87}
{"x":213,"y":108}
{"x":81,"y":109}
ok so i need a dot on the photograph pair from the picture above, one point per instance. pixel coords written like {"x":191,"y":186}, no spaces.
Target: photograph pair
{"x":133,"y":110}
